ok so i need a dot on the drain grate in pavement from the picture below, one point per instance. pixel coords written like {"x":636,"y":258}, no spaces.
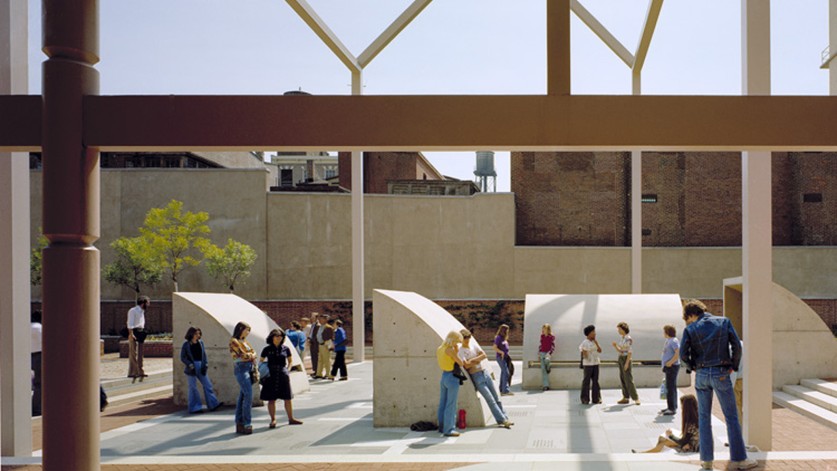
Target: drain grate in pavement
{"x":518,"y":413}
{"x":659,"y":426}
{"x":542,"y":444}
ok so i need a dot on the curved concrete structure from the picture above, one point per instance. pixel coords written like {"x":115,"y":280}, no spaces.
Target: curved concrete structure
{"x":216,"y":315}
{"x":408,"y":329}
{"x":803,"y":346}
{"x":568,"y":314}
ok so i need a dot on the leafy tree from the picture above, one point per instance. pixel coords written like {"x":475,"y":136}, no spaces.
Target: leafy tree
{"x":175,"y":237}
{"x":135,"y":264}
{"x":230,"y":264}
{"x":36,"y":260}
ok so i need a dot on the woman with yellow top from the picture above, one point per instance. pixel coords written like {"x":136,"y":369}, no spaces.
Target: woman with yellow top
{"x":244,"y":357}
{"x":447,"y":355}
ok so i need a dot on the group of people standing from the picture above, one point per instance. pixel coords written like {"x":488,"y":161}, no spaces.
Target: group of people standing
{"x":326,"y":335}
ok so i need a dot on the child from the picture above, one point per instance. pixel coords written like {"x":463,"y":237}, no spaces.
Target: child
{"x":590,"y":351}
{"x":545,"y":353}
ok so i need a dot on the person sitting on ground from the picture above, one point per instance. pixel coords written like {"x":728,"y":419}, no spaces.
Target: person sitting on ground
{"x":689,"y":440}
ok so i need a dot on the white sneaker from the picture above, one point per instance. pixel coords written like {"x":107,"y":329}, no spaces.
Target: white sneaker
{"x":744,"y":464}
{"x":706,"y":466}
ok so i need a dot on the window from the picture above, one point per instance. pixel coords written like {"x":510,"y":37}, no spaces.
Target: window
{"x":649,"y":198}
{"x":286,"y":177}
{"x":812,"y":198}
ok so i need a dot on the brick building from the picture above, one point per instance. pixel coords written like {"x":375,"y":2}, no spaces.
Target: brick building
{"x":689,"y":199}
{"x":380,"y":168}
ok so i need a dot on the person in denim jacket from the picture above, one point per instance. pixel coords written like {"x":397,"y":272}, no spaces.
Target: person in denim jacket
{"x":712,"y":349}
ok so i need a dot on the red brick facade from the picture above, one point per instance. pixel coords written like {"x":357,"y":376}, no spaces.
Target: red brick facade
{"x":691,"y":199}
{"x":379,"y":168}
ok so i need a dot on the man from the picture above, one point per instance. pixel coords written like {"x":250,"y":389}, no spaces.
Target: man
{"x":590,"y":351}
{"x":313,"y":345}
{"x":472,"y":357}
{"x":340,"y":342}
{"x":712,"y":349}
{"x":37,"y":330}
{"x":325,"y":334}
{"x":136,"y":337}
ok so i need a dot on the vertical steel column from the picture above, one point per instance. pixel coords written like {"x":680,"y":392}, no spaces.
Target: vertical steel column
{"x":71,"y":224}
{"x":15,"y":364}
{"x":757,"y":240}
{"x":358,"y":260}
{"x":558,"y":47}
{"x":636,"y":221}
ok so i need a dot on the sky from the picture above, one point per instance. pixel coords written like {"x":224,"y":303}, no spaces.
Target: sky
{"x":467,"y":47}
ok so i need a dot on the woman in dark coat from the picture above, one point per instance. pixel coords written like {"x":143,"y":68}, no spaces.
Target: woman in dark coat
{"x":278,"y":384}
{"x":193,"y":355}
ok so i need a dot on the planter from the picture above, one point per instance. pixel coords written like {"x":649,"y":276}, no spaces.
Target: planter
{"x":153,"y":348}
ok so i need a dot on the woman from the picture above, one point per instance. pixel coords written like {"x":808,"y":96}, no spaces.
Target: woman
{"x":501,"y":350}
{"x":545,"y":353}
{"x":626,"y":375}
{"x":244,"y":357}
{"x":472,"y":356}
{"x":447,"y":355}
{"x":193,"y":355}
{"x":671,"y":366}
{"x":689,"y":441}
{"x":278,"y":385}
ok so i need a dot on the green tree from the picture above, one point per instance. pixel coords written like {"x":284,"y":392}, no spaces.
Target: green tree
{"x":135,"y":264}
{"x":176,"y":238}
{"x":230,"y":264}
{"x":36,"y":260}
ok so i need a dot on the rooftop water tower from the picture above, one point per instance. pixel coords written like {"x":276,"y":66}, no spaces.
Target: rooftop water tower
{"x":486,"y":176}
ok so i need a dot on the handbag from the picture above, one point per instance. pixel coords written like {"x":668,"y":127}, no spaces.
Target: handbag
{"x":457,"y":372}
{"x":264,"y":370}
{"x":663,"y":390}
{"x":254,"y":375}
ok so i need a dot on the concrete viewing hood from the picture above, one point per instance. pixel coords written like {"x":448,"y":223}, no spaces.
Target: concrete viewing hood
{"x":803,"y":345}
{"x":216,"y":315}
{"x":408,"y":330}
{"x":645,"y":314}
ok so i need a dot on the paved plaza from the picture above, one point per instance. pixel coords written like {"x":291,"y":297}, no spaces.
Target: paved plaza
{"x":551,"y":428}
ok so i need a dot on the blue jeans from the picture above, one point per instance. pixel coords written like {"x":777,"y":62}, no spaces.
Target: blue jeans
{"x":195,"y":395}
{"x":504,"y":375}
{"x":244,"y":405}
{"x":717,"y":379}
{"x":486,"y":387}
{"x":544,"y":366}
{"x":671,"y":386}
{"x":448,"y":394}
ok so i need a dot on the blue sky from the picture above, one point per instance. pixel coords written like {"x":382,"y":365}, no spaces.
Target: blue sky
{"x":452,"y":47}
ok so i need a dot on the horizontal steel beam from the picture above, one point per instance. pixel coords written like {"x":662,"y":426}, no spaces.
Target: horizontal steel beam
{"x":519,"y":122}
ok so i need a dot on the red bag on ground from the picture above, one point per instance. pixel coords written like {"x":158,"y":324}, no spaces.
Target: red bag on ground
{"x":460,"y":422}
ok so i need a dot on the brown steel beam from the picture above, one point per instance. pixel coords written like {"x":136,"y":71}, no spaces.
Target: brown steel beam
{"x":20,"y":123}
{"x":461,"y":122}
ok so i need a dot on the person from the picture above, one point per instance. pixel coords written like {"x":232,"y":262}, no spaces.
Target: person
{"x":340,"y":342}
{"x":297,"y":337}
{"x":447,"y":355}
{"x":244,"y":358}
{"x":547,"y":347}
{"x":278,"y":384}
{"x":590,"y":351}
{"x":136,"y":337}
{"x":626,"y":376}
{"x":501,"y":350}
{"x":103,"y":399}
{"x":193,"y":355}
{"x":472,"y":356}
{"x":37,"y":335}
{"x":671,"y":366}
{"x":689,"y":439}
{"x":710,"y":347}
{"x":313,"y":344}
{"x":325,"y":334}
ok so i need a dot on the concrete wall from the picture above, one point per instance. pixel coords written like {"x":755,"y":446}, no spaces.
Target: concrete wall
{"x":409,"y":328}
{"x":646,"y":314}
{"x":216,"y":315}
{"x":441,"y":247}
{"x":803,"y":346}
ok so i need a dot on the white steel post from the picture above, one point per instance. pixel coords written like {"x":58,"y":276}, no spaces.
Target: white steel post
{"x":358,"y":285}
{"x":757,"y":243}
{"x":15,"y":363}
{"x":832,"y":43}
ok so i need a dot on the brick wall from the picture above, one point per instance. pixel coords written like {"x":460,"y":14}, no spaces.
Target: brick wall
{"x":379,"y":168}
{"x":571,"y":198}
